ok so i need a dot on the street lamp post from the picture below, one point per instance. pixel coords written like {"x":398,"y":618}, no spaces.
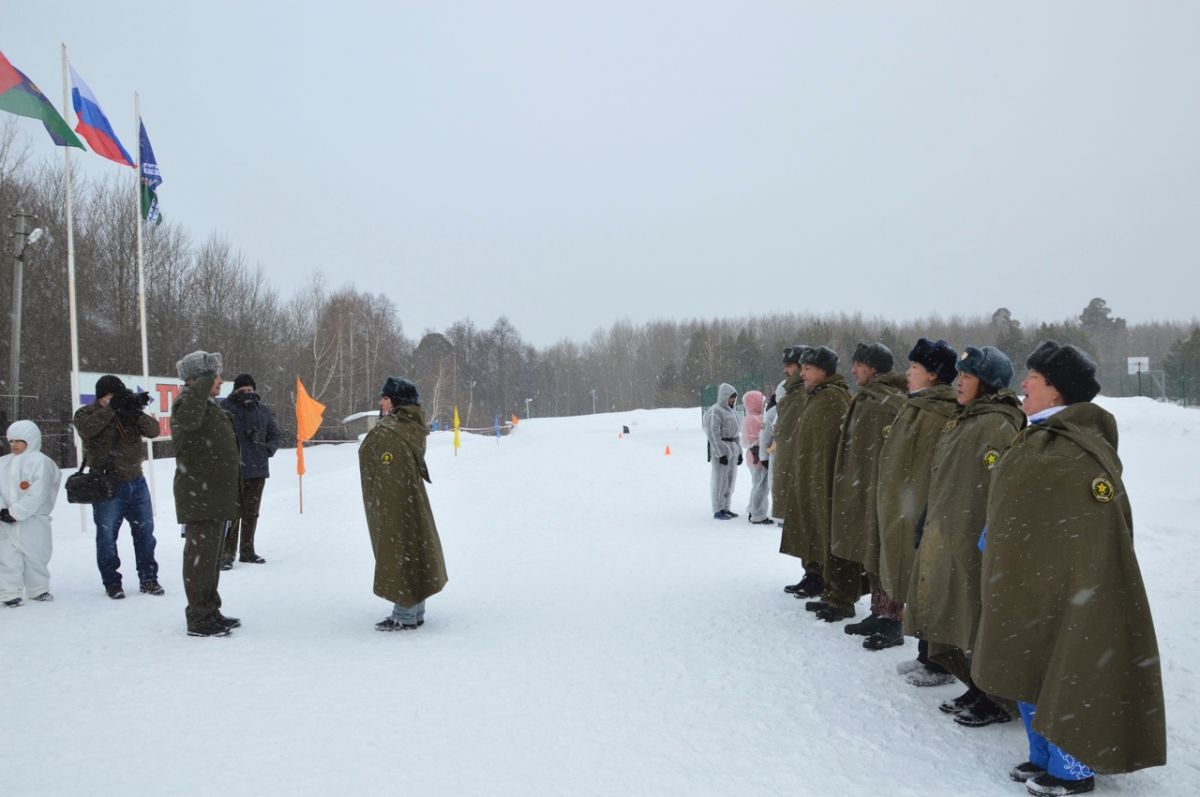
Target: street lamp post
{"x":22,"y":239}
{"x":528,"y":401}
{"x":593,"y":401}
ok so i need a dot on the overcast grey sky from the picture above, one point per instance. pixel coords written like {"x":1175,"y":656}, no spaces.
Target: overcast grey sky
{"x":568,"y":164}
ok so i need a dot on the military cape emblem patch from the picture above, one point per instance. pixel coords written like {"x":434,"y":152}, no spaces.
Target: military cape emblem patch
{"x":386,"y":459}
{"x":1102,"y":490}
{"x":991,"y":458}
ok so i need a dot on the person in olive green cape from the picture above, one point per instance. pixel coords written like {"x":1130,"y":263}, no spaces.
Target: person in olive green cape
{"x":904,"y":468}
{"x":783,"y":463}
{"x":207,"y":484}
{"x":812,"y":486}
{"x":943,"y":594}
{"x":409,"y":566}
{"x":854,"y":526}
{"x":1065,"y":625}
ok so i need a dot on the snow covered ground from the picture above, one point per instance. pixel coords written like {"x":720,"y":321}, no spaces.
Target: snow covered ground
{"x":600,"y":634}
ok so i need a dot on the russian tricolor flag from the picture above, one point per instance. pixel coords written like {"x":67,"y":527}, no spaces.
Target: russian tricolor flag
{"x":93,"y":125}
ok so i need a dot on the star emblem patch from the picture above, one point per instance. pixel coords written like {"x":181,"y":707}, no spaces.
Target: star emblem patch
{"x":1103,"y":490}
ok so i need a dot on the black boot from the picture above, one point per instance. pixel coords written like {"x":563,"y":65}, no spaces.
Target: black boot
{"x":835,"y":614}
{"x":1026,"y":771}
{"x":815,"y":606}
{"x":864,"y":628}
{"x":962,"y":702}
{"x":886,"y":636}
{"x":811,"y":586}
{"x":982,"y":712}
{"x":1046,"y":785}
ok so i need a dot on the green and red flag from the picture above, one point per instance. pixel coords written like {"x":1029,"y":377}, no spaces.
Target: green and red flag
{"x":19,"y":95}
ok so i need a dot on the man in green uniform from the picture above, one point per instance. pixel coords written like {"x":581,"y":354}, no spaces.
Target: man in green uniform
{"x":409,"y":566}
{"x":817,"y":439}
{"x":783,"y":467}
{"x":904,"y":469}
{"x":854,"y":526}
{"x":207,"y":478}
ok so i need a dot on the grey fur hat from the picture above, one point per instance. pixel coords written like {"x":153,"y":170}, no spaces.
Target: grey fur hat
{"x":198,"y":364}
{"x":1071,"y":370}
{"x":989,"y":364}
{"x":821,"y":357}
{"x":875,"y":355}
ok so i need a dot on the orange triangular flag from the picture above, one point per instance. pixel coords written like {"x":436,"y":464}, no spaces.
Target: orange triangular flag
{"x":308,"y":420}
{"x":515,"y":420}
{"x":668,"y":451}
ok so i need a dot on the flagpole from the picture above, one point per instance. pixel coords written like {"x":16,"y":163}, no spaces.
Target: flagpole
{"x":300,"y":445}
{"x":137,"y":214}
{"x":71,"y":275}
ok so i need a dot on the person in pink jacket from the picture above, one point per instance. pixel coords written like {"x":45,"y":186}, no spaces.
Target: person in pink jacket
{"x":760,"y":492}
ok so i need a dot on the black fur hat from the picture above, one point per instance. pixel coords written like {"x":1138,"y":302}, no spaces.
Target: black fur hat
{"x":244,"y":380}
{"x":875,"y":355}
{"x":991,"y":365}
{"x":791,"y":355}
{"x":937,"y":357}
{"x":1070,"y":370}
{"x":822,"y":357}
{"x":108,"y":384}
{"x":401,"y":391}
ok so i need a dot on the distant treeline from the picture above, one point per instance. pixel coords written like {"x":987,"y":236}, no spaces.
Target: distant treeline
{"x":343,"y":342}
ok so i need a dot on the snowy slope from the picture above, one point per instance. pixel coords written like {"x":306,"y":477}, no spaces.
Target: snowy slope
{"x":600,"y":634}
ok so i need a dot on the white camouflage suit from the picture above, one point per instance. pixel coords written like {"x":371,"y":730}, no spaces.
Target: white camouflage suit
{"x":28,"y":489}
{"x":722,"y":428}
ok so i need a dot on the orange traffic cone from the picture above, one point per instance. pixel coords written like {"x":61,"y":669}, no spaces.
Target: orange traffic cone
{"x":668,"y":451}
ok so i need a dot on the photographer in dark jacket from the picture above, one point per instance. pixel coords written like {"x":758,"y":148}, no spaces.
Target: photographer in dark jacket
{"x":259,"y":440}
{"x":113,"y":428}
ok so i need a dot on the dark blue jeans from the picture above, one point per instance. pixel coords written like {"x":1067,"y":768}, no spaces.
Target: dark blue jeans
{"x":132,"y":503}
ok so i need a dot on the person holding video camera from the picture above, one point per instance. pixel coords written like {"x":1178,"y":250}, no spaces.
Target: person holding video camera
{"x":114,"y":428}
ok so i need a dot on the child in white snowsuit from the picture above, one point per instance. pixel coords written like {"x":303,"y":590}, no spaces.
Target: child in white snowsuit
{"x":28,"y":489}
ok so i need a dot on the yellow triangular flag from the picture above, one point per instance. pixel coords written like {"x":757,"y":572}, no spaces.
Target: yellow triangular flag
{"x":457,"y":440}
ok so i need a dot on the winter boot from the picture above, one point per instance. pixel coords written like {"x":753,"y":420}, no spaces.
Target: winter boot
{"x":14,"y":603}
{"x":45,"y":597}
{"x":152,"y":587}
{"x":815,"y":606}
{"x":229,"y":622}
{"x":962,"y":702}
{"x":1046,"y":785}
{"x":115,"y":592}
{"x":888,"y":636}
{"x":835,"y":614}
{"x":792,"y":589}
{"x":252,"y":558}
{"x":226,"y":564}
{"x":391,"y":625}
{"x":764,"y":522}
{"x":210,"y":627}
{"x":864,"y":628}
{"x":811,"y":586}
{"x":923,"y":676}
{"x":982,"y":712}
{"x":1024,"y":772}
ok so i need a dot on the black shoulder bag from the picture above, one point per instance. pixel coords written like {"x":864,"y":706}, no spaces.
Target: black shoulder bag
{"x":93,"y":487}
